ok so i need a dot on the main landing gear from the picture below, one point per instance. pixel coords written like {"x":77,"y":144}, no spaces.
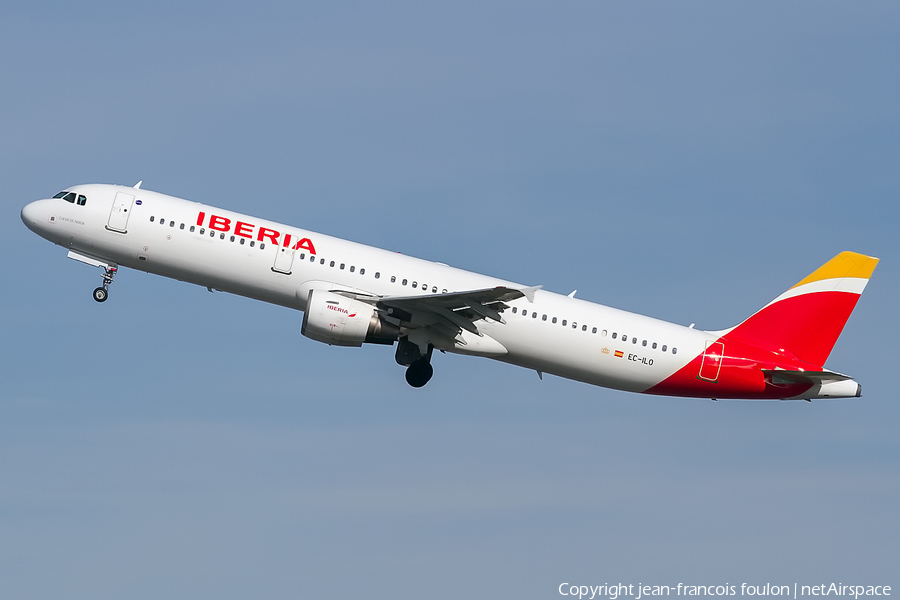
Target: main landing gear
{"x":102,"y":292}
{"x":418,"y":365}
{"x":419,"y":373}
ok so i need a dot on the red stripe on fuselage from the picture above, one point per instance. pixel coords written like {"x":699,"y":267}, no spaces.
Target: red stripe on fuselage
{"x":793,"y":334}
{"x":739,"y":377}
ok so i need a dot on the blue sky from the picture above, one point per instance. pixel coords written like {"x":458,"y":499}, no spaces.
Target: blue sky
{"x":689,"y":161}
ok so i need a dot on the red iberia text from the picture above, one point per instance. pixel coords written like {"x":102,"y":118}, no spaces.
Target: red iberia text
{"x":223,"y":224}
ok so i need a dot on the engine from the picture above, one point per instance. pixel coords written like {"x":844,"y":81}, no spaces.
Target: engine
{"x":340,"y":321}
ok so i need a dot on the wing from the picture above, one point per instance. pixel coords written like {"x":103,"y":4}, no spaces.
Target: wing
{"x":448,"y":313}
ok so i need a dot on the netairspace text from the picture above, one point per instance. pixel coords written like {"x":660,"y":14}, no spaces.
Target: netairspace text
{"x":795,"y":591}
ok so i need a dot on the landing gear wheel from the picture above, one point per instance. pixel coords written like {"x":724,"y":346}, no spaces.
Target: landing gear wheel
{"x":419,"y":373}
{"x":102,"y":292}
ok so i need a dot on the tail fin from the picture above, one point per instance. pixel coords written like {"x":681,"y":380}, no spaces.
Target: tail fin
{"x":808,"y":318}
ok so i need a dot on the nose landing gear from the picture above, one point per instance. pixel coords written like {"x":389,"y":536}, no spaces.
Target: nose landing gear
{"x":102,"y":292}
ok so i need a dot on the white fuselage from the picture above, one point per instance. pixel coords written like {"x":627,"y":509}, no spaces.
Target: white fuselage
{"x":167,"y":236}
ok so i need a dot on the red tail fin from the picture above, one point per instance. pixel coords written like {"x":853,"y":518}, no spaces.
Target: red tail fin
{"x":807,"y":319}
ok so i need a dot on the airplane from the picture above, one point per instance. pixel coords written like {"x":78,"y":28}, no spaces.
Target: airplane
{"x":352,"y":294}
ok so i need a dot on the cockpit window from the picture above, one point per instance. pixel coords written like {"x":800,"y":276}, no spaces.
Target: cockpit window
{"x":82,"y":200}
{"x":69,"y":197}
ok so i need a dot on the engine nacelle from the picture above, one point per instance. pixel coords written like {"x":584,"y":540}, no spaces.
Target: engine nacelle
{"x":340,"y":321}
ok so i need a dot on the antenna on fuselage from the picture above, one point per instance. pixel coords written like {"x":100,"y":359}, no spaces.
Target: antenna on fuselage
{"x":137,"y":186}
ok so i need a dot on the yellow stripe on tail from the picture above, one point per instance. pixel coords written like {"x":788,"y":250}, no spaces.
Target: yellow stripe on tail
{"x":845,"y":264}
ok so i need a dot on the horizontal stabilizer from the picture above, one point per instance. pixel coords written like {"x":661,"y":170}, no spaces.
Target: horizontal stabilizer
{"x":821,"y":384}
{"x":780,"y":376}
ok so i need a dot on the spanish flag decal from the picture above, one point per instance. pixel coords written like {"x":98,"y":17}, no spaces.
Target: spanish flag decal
{"x":619,"y":354}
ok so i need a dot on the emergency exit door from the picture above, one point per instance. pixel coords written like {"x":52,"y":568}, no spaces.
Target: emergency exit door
{"x":712,"y":361}
{"x":118,"y":214}
{"x":284,"y":260}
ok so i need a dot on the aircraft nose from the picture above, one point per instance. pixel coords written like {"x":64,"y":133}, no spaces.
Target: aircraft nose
{"x":28,"y":213}
{"x":31,"y":215}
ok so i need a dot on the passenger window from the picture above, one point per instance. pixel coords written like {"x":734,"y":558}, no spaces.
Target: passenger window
{"x":192,"y":229}
{"x":574,"y":324}
{"x":393,"y":279}
{"x":151,"y":219}
{"x":444,"y":291}
{"x":261,"y":246}
{"x":302,"y":255}
{"x":434,"y":290}
{"x":414,"y":284}
{"x":584,"y":327}
{"x":322,"y":262}
{"x":312,"y":258}
{"x":162,"y":221}
{"x":171,"y":223}
{"x":653,"y":346}
{"x":242,"y":241}
{"x":424,"y":287}
{"x":82,"y":200}
{"x":603,"y":333}
{"x":664,"y":348}
{"x":221,"y":236}
{"x":515,"y":309}
{"x":614,"y":335}
{"x":624,"y":338}
{"x":674,"y":350}
{"x":212,"y":233}
{"x":352,"y":269}
{"x":404,"y":282}
{"x":534,"y":315}
{"x":232,"y":238}
{"x":202,"y":231}
{"x":594,"y":330}
{"x":342,"y":266}
{"x":181,"y":226}
{"x":634,"y":340}
{"x":377,"y":275}
{"x":564,"y":323}
{"x":544,"y":318}
{"x":332,"y":263}
{"x":252,"y":243}
{"x":553,"y":320}
{"x":362,"y":271}
{"x":644,"y":343}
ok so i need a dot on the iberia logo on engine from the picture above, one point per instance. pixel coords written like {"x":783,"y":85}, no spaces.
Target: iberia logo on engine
{"x":340,"y":310}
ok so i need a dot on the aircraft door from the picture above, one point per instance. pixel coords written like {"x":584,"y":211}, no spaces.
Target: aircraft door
{"x":284,"y":260}
{"x":118,"y":214}
{"x":712,"y":361}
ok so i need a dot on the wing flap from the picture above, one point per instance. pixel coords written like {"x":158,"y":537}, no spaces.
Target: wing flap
{"x":455,"y":318}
